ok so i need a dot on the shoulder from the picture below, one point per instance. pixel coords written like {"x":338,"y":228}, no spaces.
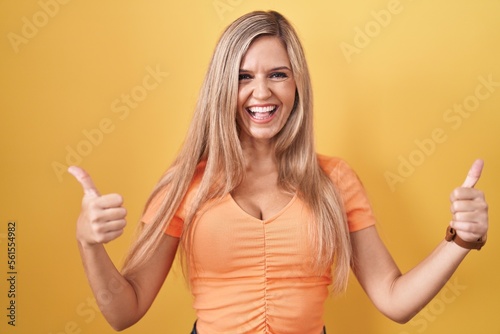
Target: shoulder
{"x":340,"y":172}
{"x":167,"y":186}
{"x":356,"y":203}
{"x":327,"y":163}
{"x":334,"y":166}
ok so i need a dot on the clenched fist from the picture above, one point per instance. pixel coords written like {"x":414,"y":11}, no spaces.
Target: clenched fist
{"x":469,"y":208}
{"x":102,"y":218}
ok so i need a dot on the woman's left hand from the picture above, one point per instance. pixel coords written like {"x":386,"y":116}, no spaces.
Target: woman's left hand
{"x":469,"y":207}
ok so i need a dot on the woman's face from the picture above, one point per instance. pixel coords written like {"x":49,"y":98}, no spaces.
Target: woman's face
{"x":266,"y":91}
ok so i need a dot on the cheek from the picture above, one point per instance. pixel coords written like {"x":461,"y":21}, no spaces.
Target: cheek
{"x":289,"y":94}
{"x":291,"y":100}
{"x":243,"y":94}
{"x":242,"y":98}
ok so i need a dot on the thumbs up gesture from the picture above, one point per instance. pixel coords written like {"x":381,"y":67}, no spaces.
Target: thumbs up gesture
{"x":102,"y":218}
{"x":469,"y":207}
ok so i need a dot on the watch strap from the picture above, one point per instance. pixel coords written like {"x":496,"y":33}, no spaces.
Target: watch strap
{"x":451,"y":235}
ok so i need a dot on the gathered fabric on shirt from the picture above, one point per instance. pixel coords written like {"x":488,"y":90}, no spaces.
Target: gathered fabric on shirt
{"x":254,"y":276}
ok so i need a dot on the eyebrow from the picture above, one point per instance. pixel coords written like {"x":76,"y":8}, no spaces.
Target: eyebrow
{"x":279,"y":68}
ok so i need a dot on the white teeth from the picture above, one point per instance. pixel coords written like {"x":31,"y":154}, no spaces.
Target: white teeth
{"x":262,"y":113}
{"x":262,"y":109}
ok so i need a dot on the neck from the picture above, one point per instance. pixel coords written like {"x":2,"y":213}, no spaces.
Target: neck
{"x":259,"y":154}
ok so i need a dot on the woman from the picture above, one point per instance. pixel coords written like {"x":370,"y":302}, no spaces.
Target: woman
{"x":260,"y":218}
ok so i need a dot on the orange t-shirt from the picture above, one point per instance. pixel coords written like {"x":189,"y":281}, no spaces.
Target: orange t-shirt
{"x":253,"y":276}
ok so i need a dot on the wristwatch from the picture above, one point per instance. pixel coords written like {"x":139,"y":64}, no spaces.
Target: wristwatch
{"x":451,"y":235}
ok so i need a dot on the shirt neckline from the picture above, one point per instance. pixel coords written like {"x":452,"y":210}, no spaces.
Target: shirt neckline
{"x":264,"y":221}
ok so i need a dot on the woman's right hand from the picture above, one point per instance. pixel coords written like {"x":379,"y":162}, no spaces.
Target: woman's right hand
{"x":122,"y":298}
{"x":102,"y":218}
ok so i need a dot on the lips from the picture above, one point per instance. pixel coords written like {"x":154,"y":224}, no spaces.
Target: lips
{"x":262,"y":113}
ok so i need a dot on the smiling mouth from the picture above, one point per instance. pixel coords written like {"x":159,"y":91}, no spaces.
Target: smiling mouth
{"x":262,"y":113}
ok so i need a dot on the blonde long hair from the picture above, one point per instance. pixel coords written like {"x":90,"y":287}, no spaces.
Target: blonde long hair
{"x":213,"y":137}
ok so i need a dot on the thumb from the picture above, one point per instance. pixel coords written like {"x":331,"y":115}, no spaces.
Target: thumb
{"x":474,"y":174}
{"x":85,"y":180}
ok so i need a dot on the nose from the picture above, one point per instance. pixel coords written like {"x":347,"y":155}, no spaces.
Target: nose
{"x":261,"y":89}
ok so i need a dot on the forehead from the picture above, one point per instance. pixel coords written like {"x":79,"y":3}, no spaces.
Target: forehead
{"x":265,"y":52}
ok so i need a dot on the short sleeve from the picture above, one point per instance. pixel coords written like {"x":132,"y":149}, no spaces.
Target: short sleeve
{"x":175,"y":226}
{"x":356,"y":203}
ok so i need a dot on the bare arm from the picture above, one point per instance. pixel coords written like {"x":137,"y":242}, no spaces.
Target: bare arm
{"x":399,"y":296}
{"x":122,"y":300}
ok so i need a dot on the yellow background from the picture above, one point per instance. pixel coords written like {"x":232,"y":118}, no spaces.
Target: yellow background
{"x":372,"y":107}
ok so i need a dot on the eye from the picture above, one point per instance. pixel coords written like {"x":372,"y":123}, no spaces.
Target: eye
{"x":279,"y":75}
{"x":244,"y":76}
